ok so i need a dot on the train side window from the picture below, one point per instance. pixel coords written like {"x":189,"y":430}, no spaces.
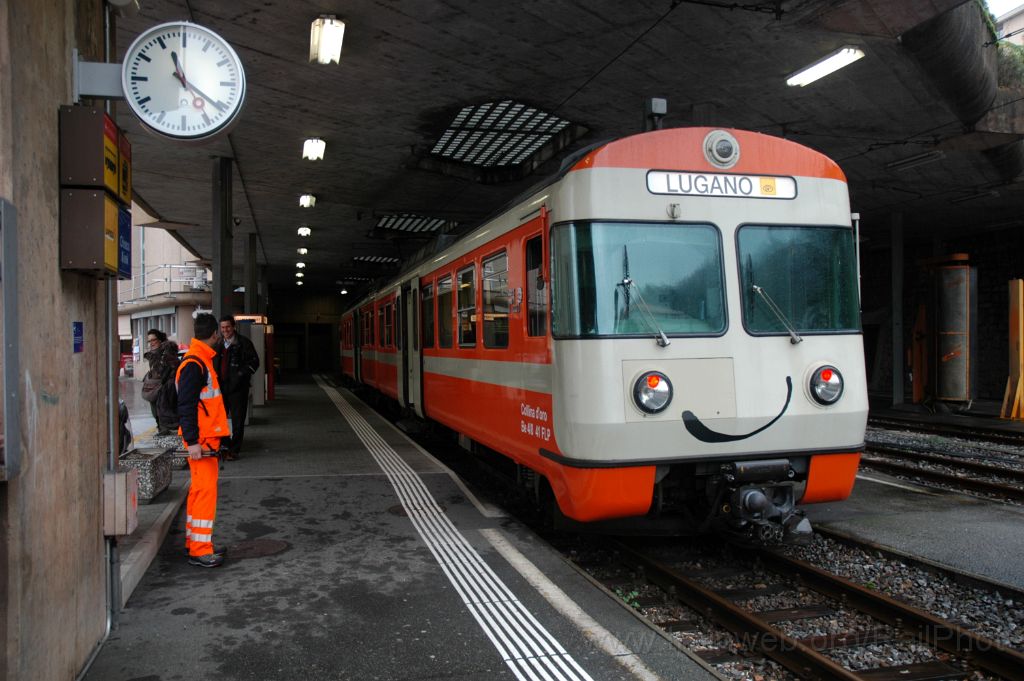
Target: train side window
{"x":367,"y":328}
{"x":380,"y":325}
{"x":495,"y":295}
{"x":428,"y":316}
{"x":467,"y":307}
{"x":536,"y":294}
{"x":388,"y":318}
{"x":444,"y":312}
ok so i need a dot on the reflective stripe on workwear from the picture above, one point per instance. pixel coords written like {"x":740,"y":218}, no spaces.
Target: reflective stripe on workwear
{"x":202,"y":504}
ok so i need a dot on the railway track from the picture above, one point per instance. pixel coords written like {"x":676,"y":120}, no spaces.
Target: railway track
{"x":969,"y":431}
{"x":957,"y":472}
{"x":762,"y":631}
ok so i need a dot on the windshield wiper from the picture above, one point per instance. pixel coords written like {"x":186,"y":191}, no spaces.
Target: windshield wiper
{"x":794,"y":337}
{"x":660,"y":336}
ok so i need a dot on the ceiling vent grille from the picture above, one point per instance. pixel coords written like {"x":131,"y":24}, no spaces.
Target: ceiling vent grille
{"x":411,"y":223}
{"x":376,"y":259}
{"x":500,"y":141}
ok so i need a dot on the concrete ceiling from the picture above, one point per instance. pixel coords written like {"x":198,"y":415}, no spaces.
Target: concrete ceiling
{"x":409,"y":66}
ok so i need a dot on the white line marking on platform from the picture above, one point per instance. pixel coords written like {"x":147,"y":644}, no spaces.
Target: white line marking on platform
{"x":486,"y":510}
{"x":921,"y":490}
{"x":560,"y":601}
{"x":526,"y":647}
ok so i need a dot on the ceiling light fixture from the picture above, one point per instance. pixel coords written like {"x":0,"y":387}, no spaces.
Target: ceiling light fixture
{"x":974,"y":197}
{"x":307,"y":200}
{"x":915,"y":160}
{"x":302,"y":251}
{"x":299,"y":275}
{"x":313,"y":149}
{"x":325,"y":36}
{"x":299,"y":265}
{"x":830,"y":63}
{"x":298,"y":283}
{"x":344,"y":291}
{"x":305,"y":231}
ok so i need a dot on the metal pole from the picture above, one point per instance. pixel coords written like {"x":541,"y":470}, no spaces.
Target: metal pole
{"x":250,"y":275}
{"x":896,"y":240}
{"x":223,"y":286}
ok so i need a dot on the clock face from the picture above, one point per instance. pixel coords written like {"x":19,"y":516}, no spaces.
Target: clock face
{"x":183,"y":81}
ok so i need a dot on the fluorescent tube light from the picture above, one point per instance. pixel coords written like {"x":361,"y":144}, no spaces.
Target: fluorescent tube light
{"x":974,"y":197}
{"x":302,"y":251}
{"x":304,"y":231}
{"x":313,"y":148}
{"x":307,"y":200}
{"x":916,"y":160}
{"x":830,"y":63}
{"x":325,"y":37}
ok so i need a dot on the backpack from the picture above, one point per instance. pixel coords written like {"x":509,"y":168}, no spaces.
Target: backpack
{"x":167,"y":401}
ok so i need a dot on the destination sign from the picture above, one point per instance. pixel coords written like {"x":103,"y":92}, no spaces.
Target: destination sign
{"x":720,"y":184}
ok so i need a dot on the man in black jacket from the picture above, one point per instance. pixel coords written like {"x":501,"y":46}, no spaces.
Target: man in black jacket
{"x":236,"y":362}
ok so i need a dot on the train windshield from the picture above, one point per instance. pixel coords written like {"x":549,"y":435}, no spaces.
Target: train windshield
{"x":636,"y":279}
{"x":809,"y":274}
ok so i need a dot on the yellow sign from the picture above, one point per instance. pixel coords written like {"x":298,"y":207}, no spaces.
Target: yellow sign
{"x":768,"y":186}
{"x":110,"y":168}
{"x":124,"y":167}
{"x":110,"y":210}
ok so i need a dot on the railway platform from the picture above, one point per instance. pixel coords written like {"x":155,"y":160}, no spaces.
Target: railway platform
{"x":353,"y":554}
{"x":983,"y":415}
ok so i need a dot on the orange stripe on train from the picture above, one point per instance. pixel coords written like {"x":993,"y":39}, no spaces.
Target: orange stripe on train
{"x":668,"y":150}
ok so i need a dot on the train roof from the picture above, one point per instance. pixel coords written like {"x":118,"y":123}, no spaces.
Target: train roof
{"x":667,"y":149}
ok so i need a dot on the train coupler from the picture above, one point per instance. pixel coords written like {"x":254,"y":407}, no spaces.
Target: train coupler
{"x":765,"y":515}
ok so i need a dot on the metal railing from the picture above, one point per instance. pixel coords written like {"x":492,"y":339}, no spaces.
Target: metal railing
{"x":164,"y":280}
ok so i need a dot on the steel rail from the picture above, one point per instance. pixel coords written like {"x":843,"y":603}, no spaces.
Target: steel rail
{"x":752,"y":630}
{"x":953,"y":461}
{"x":978,"y":650}
{"x":951,"y":430}
{"x":1015,"y":493}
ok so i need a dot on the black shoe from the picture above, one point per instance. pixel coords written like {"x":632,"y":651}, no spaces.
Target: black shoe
{"x":208,"y":561}
{"x":217,"y":551}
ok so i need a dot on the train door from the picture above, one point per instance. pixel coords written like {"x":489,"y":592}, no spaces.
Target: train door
{"x":357,"y":330}
{"x":398,"y":324}
{"x":411,"y":345}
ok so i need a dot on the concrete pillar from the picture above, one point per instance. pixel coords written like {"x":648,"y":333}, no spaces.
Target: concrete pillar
{"x":251,"y":292}
{"x":896,"y":241}
{"x":222,"y":237}
{"x":263,"y":294}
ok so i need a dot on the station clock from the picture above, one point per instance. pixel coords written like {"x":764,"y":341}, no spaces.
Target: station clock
{"x":183,"y":81}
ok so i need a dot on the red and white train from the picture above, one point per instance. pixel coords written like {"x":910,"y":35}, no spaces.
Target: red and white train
{"x":668,"y":330}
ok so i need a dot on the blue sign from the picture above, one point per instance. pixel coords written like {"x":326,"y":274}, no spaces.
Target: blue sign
{"x":124,"y":243}
{"x":78,"y":335}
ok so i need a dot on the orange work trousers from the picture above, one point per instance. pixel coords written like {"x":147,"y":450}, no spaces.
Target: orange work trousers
{"x":201,"y":507}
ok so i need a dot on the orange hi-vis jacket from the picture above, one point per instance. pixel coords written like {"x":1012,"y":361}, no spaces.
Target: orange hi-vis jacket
{"x":211,"y":414}
{"x":208,"y":413}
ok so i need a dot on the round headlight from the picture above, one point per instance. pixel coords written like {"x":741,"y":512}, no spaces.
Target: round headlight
{"x":652,"y":392}
{"x":721,"y":149}
{"x":827,"y":385}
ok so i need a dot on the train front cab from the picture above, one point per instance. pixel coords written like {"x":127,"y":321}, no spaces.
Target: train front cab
{"x":711,"y":362}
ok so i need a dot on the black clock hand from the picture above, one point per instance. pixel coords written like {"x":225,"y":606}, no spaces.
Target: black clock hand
{"x":179,"y":73}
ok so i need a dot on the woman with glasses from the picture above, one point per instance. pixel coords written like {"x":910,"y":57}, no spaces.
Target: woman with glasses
{"x":163,"y":362}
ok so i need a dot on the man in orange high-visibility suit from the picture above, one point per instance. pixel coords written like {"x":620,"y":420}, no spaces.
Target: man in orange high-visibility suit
{"x":203,"y":422}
